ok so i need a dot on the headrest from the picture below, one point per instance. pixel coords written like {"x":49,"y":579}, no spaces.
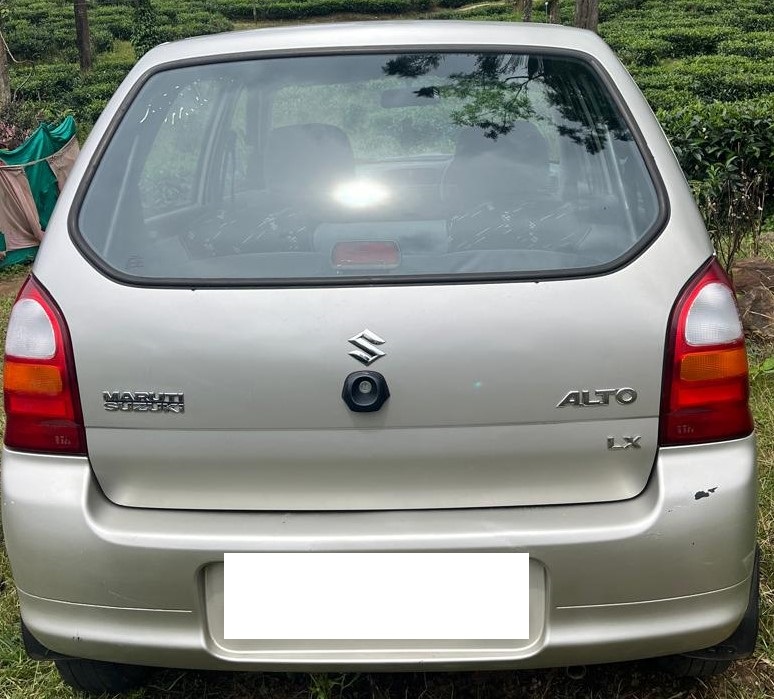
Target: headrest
{"x":513,"y":164}
{"x":306,"y":157}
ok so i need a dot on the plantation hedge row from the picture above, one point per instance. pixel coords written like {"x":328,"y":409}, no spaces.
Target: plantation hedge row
{"x":646,"y":47}
{"x":643,"y":33}
{"x":60,"y":88}
{"x":754,"y":45}
{"x":176,"y":19}
{"x":321,"y":8}
{"x":684,"y":52}
{"x":707,"y":134}
{"x":706,"y":79}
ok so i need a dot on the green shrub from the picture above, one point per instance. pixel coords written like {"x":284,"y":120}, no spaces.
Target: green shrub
{"x":26,"y":115}
{"x":638,"y":50}
{"x":145,"y":31}
{"x":115,"y":19}
{"x":727,"y":78}
{"x":727,"y":152}
{"x":296,"y":9}
{"x":702,"y":134}
{"x":610,"y":9}
{"x":194,"y":27}
{"x":29,"y":43}
{"x":101,"y":40}
{"x":299,"y":9}
{"x":695,"y":40}
{"x":709,"y":78}
{"x":45,"y":82}
{"x":754,"y":45}
{"x":756,"y":22}
{"x":60,"y":88}
{"x":699,"y":8}
{"x":656,"y":80}
{"x":669,"y":98}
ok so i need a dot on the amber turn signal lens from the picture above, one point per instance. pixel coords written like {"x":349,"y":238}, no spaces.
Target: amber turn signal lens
{"x":39,"y":379}
{"x":713,"y":365}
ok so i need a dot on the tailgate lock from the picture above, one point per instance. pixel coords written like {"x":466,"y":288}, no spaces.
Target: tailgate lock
{"x":365,"y":391}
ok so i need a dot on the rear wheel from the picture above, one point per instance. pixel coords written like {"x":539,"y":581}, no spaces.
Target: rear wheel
{"x":683,"y":666}
{"x":717,"y":659}
{"x":98,"y":677}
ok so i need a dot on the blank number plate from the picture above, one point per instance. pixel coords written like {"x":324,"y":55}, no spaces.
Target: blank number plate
{"x":449,"y":596}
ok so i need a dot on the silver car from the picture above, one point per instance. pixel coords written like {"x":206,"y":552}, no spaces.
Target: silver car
{"x":423,"y":302}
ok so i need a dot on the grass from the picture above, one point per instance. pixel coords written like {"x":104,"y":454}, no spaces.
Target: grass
{"x":21,"y":678}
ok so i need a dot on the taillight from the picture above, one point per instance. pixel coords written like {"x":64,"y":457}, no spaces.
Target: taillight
{"x":706,"y":391}
{"x":42,"y":406}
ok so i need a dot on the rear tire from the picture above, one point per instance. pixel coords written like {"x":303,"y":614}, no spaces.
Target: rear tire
{"x":98,"y":677}
{"x":740,"y":644}
{"x":683,"y":666}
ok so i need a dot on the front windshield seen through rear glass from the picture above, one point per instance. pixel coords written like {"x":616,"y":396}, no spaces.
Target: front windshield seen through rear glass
{"x":327,"y":168}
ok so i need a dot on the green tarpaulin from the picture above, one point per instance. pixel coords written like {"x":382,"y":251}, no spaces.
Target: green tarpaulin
{"x":44,"y":142}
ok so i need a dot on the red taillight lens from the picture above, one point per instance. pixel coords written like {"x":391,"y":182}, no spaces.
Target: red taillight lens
{"x":42,"y":406}
{"x":706,"y":392}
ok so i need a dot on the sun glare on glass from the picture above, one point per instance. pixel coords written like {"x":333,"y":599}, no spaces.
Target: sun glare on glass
{"x":360,"y":194}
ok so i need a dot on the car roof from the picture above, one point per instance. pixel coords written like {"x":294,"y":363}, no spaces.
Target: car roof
{"x":387,"y":35}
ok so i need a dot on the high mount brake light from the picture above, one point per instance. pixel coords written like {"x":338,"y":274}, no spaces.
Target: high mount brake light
{"x":42,"y":406}
{"x":705,"y":391}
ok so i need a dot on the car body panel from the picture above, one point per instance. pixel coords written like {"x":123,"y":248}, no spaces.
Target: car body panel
{"x":262,"y":369}
{"x":265,"y":425}
{"x":147,"y":570}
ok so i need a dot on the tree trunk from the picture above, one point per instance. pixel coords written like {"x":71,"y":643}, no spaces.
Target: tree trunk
{"x":527,"y":15}
{"x":553,"y":12}
{"x":82,"y":36}
{"x":5,"y":80}
{"x":587,"y":14}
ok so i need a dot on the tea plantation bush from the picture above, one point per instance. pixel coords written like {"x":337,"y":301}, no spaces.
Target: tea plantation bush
{"x":321,"y":8}
{"x":726,"y":152}
{"x":28,"y":42}
{"x":707,"y":66}
{"x":49,"y":92}
{"x":754,"y":45}
{"x":740,"y":135}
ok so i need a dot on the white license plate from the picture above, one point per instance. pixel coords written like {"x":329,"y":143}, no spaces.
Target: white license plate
{"x":444,"y":596}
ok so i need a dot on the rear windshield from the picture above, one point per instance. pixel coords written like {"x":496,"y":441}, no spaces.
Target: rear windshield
{"x":333,"y":168}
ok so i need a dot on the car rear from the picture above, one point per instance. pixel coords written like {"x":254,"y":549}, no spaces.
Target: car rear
{"x":390,"y":287}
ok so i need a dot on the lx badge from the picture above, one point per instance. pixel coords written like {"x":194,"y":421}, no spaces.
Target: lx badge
{"x":628,"y":443}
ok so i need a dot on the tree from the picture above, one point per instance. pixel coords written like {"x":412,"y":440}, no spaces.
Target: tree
{"x":5,"y":79}
{"x":494,"y":95}
{"x":145,"y":34}
{"x":82,"y":35}
{"x":587,"y":14}
{"x":527,"y":14}
{"x":554,"y":15}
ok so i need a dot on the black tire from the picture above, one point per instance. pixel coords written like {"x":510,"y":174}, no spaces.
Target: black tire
{"x":683,"y":666}
{"x":740,"y":644}
{"x":97,"y":677}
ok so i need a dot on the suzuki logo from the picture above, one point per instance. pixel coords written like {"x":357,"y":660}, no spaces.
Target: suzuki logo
{"x":367,"y":351}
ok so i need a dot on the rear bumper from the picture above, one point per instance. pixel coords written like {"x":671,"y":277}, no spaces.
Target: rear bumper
{"x":668,"y":571}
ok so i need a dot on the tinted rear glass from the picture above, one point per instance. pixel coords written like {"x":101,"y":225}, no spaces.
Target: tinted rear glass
{"x":363,"y":166}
